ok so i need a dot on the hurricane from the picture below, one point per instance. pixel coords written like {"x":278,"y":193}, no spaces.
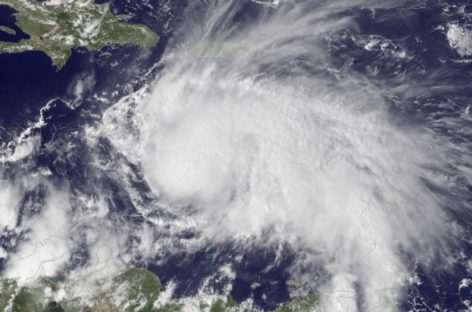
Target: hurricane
{"x":252,"y":131}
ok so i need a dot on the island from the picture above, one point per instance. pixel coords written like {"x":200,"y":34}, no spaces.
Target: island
{"x":8,"y":30}
{"x":57,"y":27}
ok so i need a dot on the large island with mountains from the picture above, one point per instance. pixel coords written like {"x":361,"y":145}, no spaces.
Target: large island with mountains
{"x":55,"y":27}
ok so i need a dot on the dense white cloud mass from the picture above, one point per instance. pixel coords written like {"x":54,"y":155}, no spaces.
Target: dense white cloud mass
{"x":9,"y":205}
{"x":460,"y":39}
{"x":47,"y":248}
{"x":263,"y":141}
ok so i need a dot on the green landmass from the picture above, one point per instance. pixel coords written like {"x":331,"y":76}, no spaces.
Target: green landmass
{"x":8,"y":30}
{"x":141,"y":289}
{"x":7,"y":293}
{"x":132,"y":290}
{"x":307,"y":303}
{"x":27,"y":301}
{"x":60,"y":26}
